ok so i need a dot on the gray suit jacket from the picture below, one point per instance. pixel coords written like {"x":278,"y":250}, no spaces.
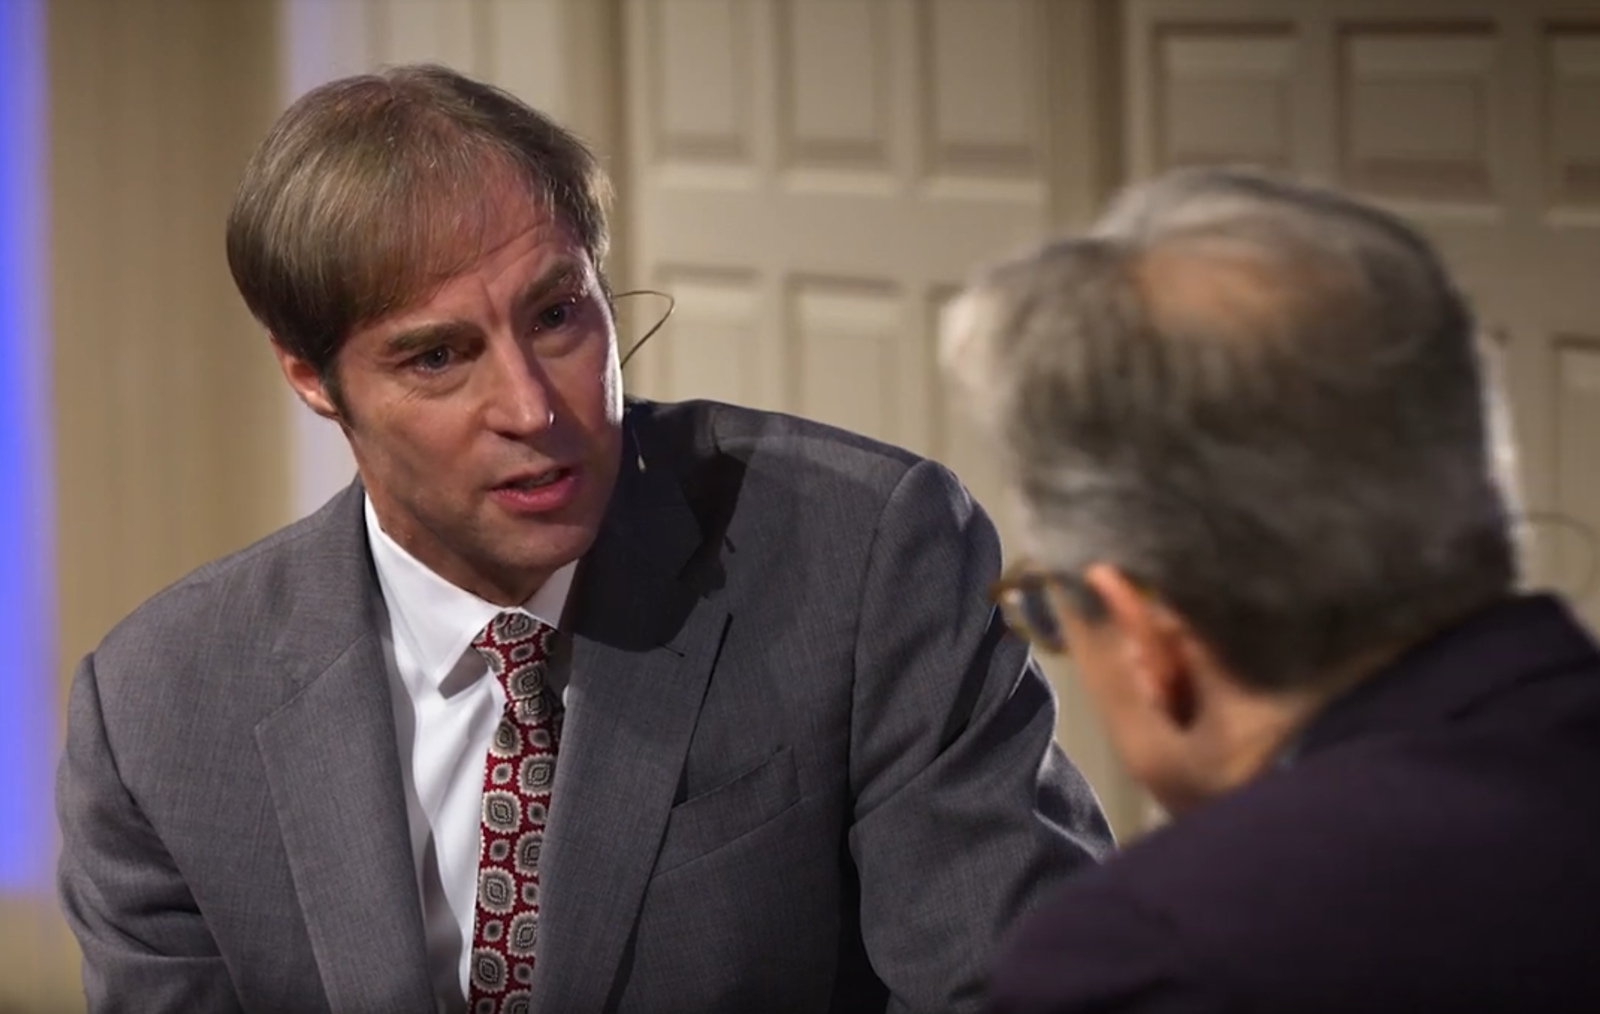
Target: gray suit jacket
{"x":804,"y":768}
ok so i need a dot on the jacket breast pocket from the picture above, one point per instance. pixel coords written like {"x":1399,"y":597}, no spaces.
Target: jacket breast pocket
{"x":727,"y":812}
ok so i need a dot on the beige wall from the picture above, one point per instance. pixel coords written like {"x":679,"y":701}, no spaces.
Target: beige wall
{"x":170,"y":434}
{"x":169,"y":428}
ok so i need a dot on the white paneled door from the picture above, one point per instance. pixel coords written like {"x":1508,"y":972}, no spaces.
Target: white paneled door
{"x":812,"y":178}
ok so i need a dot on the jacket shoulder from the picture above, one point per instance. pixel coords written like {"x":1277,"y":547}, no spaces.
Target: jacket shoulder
{"x":243,"y":589}
{"x":1393,"y":855}
{"x":769,"y":440}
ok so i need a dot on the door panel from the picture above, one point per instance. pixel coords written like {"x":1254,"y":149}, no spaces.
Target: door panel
{"x":830,"y":168}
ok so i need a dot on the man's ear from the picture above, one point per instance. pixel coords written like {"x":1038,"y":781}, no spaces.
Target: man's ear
{"x":305,"y":380}
{"x":1156,"y":643}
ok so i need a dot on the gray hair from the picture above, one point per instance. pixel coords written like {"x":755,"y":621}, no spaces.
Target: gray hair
{"x":1265,"y":402}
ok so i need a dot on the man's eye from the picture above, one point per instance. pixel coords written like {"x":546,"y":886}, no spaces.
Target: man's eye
{"x":433,"y":359}
{"x":555,"y":316}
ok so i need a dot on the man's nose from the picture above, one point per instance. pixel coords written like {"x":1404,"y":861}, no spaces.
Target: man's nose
{"x":519,"y":398}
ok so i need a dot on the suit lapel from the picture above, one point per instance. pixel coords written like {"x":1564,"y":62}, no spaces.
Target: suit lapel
{"x":643,"y":647}
{"x":334,"y":775}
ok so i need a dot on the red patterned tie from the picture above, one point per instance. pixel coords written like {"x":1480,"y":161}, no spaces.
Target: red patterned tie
{"x":519,"y":771}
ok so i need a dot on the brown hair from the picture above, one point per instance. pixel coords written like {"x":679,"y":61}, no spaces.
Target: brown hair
{"x":368,"y":191}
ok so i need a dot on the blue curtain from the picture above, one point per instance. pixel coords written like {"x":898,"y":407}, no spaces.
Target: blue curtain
{"x":27,"y":607}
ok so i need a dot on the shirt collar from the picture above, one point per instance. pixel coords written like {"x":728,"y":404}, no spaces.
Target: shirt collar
{"x":437,"y":620}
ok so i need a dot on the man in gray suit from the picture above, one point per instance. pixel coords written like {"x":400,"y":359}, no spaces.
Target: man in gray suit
{"x":570,"y":703}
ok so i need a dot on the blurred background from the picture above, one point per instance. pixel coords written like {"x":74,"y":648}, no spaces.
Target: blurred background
{"x":811,"y":179}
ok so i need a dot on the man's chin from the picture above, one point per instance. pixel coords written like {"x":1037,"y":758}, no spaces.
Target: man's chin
{"x":554,"y":548}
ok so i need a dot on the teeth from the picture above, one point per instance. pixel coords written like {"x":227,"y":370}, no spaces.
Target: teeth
{"x":534,"y":482}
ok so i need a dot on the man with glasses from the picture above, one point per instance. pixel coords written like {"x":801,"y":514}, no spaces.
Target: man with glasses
{"x":1266,"y":496}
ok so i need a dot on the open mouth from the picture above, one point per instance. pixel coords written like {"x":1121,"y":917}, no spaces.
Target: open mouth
{"x":539,"y":481}
{"x":548,"y":491}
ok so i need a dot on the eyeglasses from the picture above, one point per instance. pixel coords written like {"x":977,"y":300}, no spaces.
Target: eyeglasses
{"x":1031,"y":600}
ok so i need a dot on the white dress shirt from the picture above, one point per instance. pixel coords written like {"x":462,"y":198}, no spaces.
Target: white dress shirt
{"x":446,"y":708}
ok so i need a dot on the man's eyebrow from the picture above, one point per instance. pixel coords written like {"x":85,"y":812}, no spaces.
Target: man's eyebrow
{"x":427,"y":336}
{"x":563,"y":274}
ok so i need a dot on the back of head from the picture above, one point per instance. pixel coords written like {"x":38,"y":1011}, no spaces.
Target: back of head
{"x":1261,"y":400}
{"x":370,"y":189}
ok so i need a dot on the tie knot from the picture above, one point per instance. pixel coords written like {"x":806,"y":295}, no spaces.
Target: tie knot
{"x":517,"y":648}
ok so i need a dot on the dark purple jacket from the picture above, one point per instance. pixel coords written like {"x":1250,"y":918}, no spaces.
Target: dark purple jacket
{"x":1433,"y":846}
